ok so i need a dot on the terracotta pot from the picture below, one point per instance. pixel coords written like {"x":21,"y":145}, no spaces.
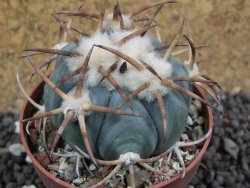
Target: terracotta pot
{"x":51,"y":181}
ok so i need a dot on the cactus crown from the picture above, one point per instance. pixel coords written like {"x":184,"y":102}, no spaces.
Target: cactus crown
{"x":130,"y":97}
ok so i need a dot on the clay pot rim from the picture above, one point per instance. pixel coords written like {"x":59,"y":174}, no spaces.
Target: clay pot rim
{"x":23,"y":135}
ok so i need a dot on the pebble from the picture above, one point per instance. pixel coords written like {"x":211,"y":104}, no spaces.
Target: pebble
{"x":28,"y":160}
{"x":231,"y":147}
{"x":199,"y":132}
{"x":197,"y":104}
{"x":69,"y":173}
{"x":28,"y":182}
{"x":2,"y":143}
{"x":29,"y":186}
{"x":92,"y":167}
{"x":165,"y":169}
{"x":245,"y":163}
{"x":230,"y":182}
{"x":189,"y":157}
{"x":200,"y":120}
{"x":53,"y":167}
{"x":190,"y":121}
{"x":63,"y":166}
{"x":17,"y":167}
{"x":184,"y":137}
{"x":4,"y":158}
{"x":216,"y":141}
{"x":27,"y":169}
{"x":176,"y":166}
{"x":6,"y":178}
{"x":211,"y":176}
{"x":220,"y":179}
{"x":7,"y":121}
{"x":11,"y":185}
{"x":20,"y":178}
{"x":193,"y":110}
{"x":17,"y":127}
{"x":241,"y":177}
{"x":78,"y":181}
{"x":16,"y":149}
{"x":215,"y":184}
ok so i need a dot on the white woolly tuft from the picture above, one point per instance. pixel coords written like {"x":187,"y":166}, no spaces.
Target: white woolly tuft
{"x":138,"y":48}
{"x":98,"y":57}
{"x":75,"y":104}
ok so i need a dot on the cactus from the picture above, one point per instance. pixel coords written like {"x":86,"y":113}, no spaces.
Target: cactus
{"x":119,"y":96}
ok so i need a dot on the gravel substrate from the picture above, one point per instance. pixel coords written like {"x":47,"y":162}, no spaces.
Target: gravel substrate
{"x":15,"y":172}
{"x":225,"y":164}
{"x":227,"y":160}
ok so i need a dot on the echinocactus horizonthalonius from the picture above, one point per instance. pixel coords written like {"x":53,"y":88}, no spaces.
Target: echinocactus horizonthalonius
{"x":118,"y":95}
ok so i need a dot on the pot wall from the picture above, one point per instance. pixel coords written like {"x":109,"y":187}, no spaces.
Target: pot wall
{"x":48,"y":179}
{"x":51,"y":181}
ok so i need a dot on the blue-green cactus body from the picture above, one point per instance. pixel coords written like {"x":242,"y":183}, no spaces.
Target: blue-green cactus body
{"x":112,"y":135}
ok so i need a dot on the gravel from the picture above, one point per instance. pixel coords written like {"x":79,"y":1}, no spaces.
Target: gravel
{"x":227,"y":160}
{"x":15,"y":172}
{"x":225,"y":164}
